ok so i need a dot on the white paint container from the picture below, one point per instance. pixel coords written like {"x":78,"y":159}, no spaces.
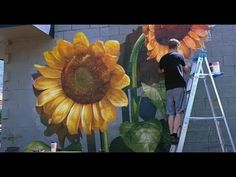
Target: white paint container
{"x":216,"y":67}
{"x":53,"y":147}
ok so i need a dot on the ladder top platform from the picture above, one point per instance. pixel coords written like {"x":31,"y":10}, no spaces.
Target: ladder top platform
{"x":218,"y":74}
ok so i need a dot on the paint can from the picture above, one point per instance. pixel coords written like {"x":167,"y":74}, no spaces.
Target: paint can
{"x":53,"y":147}
{"x":216,"y":67}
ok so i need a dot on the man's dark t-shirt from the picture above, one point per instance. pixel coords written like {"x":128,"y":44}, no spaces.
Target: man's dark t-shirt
{"x":172,"y":64}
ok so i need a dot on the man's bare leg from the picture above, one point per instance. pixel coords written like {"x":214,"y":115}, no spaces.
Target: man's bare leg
{"x":171,"y":123}
{"x":178,"y":121}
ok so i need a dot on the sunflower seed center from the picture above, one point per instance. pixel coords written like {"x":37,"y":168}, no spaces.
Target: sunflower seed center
{"x":164,"y":32}
{"x":85,"y":80}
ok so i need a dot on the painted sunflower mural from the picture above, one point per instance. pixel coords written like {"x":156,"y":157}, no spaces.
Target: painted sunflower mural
{"x":81,"y":85}
{"x":191,"y":37}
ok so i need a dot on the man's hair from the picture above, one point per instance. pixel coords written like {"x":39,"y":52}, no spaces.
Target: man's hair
{"x":173,"y":43}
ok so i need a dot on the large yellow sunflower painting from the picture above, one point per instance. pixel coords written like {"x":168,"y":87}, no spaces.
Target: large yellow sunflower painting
{"x":191,"y":38}
{"x":81,"y":85}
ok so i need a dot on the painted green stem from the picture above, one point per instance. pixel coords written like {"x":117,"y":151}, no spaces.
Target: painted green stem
{"x":133,"y":85}
{"x":104,"y":141}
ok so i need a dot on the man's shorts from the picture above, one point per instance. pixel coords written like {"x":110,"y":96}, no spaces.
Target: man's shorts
{"x":176,"y":99}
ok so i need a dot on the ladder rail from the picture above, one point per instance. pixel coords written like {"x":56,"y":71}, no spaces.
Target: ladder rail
{"x":197,"y":73}
{"x":219,"y":133}
{"x":189,"y":107}
{"x":220,"y":105}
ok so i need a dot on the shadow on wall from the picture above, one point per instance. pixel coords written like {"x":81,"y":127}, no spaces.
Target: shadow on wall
{"x":147,"y":70}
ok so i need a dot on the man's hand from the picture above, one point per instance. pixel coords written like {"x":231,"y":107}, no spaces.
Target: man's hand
{"x":188,"y":65}
{"x":186,"y":68}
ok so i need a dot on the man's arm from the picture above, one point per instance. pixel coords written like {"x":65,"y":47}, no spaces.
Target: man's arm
{"x":186,"y":68}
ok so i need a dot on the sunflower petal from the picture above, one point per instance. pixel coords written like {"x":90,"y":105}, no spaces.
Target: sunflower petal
{"x":200,"y":32}
{"x":65,"y":49}
{"x":184,"y":50}
{"x":49,"y":107}
{"x":151,"y":28}
{"x":48,"y":72}
{"x":117,"y":97}
{"x":145,"y":29}
{"x":110,"y":61}
{"x":56,"y":54}
{"x":161,"y":52}
{"x":151,"y":36}
{"x":125,"y":81}
{"x":62,"y":111}
{"x":48,"y":95}
{"x":151,"y":44}
{"x":146,"y":41}
{"x":108,"y":111}
{"x":86,"y":118}
{"x":104,"y":126}
{"x":42,"y":83}
{"x":156,"y":50}
{"x":80,"y":49}
{"x":81,"y":38}
{"x":73,"y":119}
{"x":81,"y":44}
{"x":97,"y":121}
{"x":200,"y":44}
{"x":117,"y":74}
{"x":189,"y":42}
{"x":52,"y":61}
{"x":97,"y":49}
{"x":193,"y":35}
{"x":112,"y":47}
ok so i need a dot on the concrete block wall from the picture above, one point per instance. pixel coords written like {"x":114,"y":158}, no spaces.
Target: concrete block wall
{"x":21,"y":123}
{"x":222,"y":48}
{"x":95,"y":32}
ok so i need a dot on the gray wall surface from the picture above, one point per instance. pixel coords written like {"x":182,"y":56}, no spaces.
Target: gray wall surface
{"x":21,"y":123}
{"x":202,"y":134}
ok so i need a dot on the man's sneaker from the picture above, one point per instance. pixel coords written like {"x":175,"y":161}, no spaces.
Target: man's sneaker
{"x":174,"y":140}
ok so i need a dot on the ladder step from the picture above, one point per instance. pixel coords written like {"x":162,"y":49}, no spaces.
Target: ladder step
{"x":173,"y":148}
{"x":205,"y":74}
{"x":213,"y":74}
{"x":206,"y":118}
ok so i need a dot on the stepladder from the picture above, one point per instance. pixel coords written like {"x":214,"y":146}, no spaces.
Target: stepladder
{"x":199,"y":72}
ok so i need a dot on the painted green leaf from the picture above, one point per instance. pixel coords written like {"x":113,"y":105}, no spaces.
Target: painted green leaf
{"x":118,"y":145}
{"x":125,"y":127}
{"x":142,"y":136}
{"x":37,"y":146}
{"x":73,"y":147}
{"x":157,"y":96}
{"x":165,"y":142}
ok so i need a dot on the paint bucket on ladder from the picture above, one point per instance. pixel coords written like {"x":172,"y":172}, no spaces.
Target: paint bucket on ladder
{"x":216,"y":67}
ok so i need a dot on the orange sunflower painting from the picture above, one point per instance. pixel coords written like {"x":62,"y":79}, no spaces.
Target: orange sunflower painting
{"x":191,"y":37}
{"x":81,"y":86}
